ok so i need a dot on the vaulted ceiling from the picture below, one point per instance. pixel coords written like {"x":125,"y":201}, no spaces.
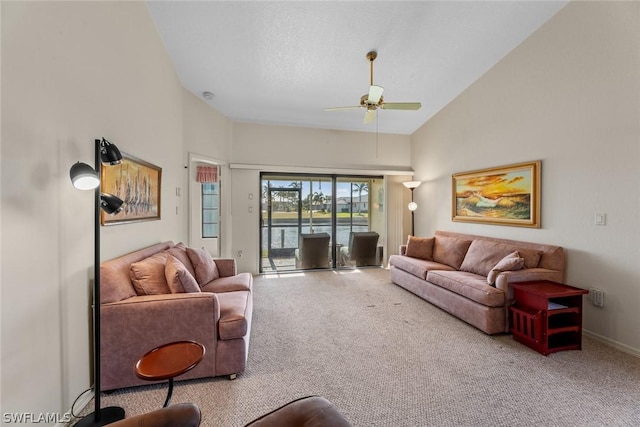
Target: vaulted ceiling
{"x":284,"y":62}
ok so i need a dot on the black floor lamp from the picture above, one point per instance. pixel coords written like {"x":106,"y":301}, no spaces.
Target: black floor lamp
{"x":412,"y":185}
{"x":84,"y":177}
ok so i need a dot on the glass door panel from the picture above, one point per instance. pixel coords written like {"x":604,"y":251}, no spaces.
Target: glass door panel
{"x":312,"y":204}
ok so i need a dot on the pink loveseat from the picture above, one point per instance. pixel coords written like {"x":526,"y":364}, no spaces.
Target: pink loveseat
{"x":457,"y":272}
{"x":138,"y":314}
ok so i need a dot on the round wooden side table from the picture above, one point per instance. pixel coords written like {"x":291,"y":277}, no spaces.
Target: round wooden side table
{"x":169,"y":361}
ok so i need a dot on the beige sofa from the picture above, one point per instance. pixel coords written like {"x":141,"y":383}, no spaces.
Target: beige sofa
{"x":450,"y":270}
{"x":141,"y":311}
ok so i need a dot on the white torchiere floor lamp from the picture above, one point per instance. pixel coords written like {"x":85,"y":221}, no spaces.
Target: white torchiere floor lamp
{"x":412,"y":185}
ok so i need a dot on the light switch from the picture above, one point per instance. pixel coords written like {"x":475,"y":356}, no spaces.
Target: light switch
{"x":601,"y":219}
{"x":250,"y":196}
{"x":250,"y":209}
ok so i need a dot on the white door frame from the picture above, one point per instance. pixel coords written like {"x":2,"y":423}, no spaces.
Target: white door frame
{"x":195,"y":208}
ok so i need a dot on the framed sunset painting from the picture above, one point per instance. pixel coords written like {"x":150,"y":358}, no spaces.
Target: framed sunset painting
{"x":505,"y":195}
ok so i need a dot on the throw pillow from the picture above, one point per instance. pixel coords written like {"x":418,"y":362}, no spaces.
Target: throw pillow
{"x":180,"y":251}
{"x":148,"y":276}
{"x":511,"y":262}
{"x":420,"y":247}
{"x":203,"y":264}
{"x":178,"y":277}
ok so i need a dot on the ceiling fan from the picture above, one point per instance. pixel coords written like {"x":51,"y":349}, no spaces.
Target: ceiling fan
{"x":374,"y":100}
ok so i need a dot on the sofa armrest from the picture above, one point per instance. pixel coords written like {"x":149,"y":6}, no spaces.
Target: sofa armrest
{"x":132,"y":327}
{"x":526,"y":275}
{"x":226,"y":266}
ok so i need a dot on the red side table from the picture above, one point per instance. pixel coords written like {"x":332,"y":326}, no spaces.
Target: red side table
{"x":547,"y":316}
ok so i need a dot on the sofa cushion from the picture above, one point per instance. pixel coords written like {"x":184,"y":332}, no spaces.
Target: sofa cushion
{"x":148,"y":276}
{"x":483,"y":255}
{"x":511,"y":262}
{"x":203,"y":264}
{"x":178,"y":277}
{"x":239,"y":282}
{"x":234,"y":308}
{"x":469,"y":285}
{"x":420,"y":247}
{"x":180,"y":251}
{"x":450,"y":250}
{"x":415,"y":266}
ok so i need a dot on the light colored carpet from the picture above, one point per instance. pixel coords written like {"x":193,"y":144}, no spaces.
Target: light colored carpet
{"x":385,"y":357}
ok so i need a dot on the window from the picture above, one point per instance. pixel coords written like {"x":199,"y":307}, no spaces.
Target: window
{"x":210,"y":209}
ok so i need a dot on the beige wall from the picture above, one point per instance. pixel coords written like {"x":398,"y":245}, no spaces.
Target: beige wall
{"x":293,"y":149}
{"x":207,"y":135}
{"x":569,"y":96}
{"x":72,"y":72}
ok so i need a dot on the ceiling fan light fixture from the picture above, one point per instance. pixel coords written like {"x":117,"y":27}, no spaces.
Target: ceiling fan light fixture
{"x":374,"y":100}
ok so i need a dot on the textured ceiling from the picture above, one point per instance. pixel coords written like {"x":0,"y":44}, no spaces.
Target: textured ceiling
{"x":284,"y":62}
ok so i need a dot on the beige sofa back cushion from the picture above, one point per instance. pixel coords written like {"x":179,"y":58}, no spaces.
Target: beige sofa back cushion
{"x":551,"y":256}
{"x":450,"y":250}
{"x":483,"y":255}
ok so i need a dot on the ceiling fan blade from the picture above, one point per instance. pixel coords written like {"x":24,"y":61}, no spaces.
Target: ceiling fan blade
{"x":375,"y":93}
{"x":401,"y":106}
{"x":369,"y":116}
{"x":343,"y":108}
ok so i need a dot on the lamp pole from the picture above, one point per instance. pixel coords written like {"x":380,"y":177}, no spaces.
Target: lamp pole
{"x":413,"y":231}
{"x":100,"y":416}
{"x":412,"y":185}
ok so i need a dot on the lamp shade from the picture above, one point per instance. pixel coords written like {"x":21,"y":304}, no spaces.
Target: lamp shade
{"x":110,"y":204}
{"x":412,"y":184}
{"x":412,"y":206}
{"x":109,"y":153}
{"x":83,"y":176}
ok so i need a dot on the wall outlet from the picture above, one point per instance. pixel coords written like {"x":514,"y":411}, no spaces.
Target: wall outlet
{"x":597,"y":297}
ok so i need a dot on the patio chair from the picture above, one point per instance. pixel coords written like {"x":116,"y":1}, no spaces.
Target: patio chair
{"x":362,"y":249}
{"x":313,"y":251}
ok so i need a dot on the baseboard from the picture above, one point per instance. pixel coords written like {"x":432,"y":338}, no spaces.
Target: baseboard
{"x":80,"y":404}
{"x":615,"y":344}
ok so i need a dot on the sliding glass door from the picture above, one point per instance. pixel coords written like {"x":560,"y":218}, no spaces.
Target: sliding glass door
{"x":305,"y":217}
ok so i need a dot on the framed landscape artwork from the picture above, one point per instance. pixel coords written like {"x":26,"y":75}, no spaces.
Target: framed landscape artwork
{"x":137,"y":183}
{"x":505,"y":195}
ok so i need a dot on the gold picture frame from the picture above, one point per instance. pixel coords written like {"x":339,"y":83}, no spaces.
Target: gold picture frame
{"x":505,"y":195}
{"x":138,"y":184}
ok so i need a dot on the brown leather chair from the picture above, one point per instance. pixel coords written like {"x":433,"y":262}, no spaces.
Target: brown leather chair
{"x":362,"y":249}
{"x":313,"y":251}
{"x":180,"y":414}
{"x":311,"y":411}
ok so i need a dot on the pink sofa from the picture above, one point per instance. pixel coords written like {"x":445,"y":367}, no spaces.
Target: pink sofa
{"x":450,"y":271}
{"x":218,"y":315}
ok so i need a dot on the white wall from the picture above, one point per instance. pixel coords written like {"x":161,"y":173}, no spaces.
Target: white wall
{"x":569,"y":96}
{"x":207,"y":135}
{"x":302,"y":150}
{"x":72,"y":72}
